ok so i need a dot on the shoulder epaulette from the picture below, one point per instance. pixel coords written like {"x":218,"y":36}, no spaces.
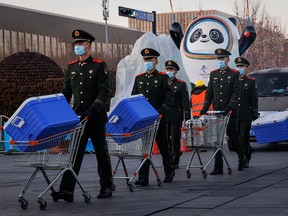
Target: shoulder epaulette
{"x":73,"y":62}
{"x":214,"y":71}
{"x":97,"y":60}
{"x":234,"y":70}
{"x":179,"y":80}
{"x":251,"y":78}
{"x":162,"y":73}
{"x":139,"y":74}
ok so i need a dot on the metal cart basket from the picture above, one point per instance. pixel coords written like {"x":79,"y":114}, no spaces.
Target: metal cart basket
{"x":206,"y":132}
{"x":134,"y":145}
{"x":57,"y":152}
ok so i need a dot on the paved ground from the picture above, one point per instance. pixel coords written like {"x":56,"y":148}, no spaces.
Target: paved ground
{"x":261,"y":189}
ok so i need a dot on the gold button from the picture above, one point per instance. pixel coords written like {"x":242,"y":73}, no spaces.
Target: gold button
{"x":80,"y":74}
{"x":147,"y":98}
{"x":82,"y":101}
{"x":220,"y":92}
{"x":238,"y":104}
{"x":220,"y":100}
{"x":80,"y":83}
{"x":238,"y":98}
{"x":147,"y":90}
{"x":147,"y":83}
{"x":81,"y":92}
{"x":220,"y":86}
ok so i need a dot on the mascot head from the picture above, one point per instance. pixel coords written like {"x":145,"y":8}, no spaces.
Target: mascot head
{"x":203,"y":36}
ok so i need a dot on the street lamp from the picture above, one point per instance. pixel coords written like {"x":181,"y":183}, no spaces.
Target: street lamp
{"x":105,"y":5}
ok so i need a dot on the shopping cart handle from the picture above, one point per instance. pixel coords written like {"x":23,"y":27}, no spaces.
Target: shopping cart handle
{"x":215,"y":112}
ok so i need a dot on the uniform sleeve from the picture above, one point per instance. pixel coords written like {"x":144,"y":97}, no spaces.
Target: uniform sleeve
{"x":134,"y":90}
{"x":254,"y":101}
{"x":209,"y":95}
{"x":185,"y":101}
{"x":103,"y":85}
{"x":168,"y":95}
{"x":66,"y":89}
{"x":236,"y":92}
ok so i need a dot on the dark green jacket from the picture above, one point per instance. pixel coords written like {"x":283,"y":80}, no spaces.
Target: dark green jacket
{"x":181,"y":105}
{"x":156,"y":90}
{"x":247,"y":103}
{"x":88,"y":82}
{"x":223,"y":89}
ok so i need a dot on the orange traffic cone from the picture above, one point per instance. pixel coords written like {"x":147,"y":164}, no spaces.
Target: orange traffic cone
{"x":155,"y":149}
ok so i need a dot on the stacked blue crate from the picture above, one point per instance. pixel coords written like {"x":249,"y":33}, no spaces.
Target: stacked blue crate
{"x":129,"y":115}
{"x":41,"y":117}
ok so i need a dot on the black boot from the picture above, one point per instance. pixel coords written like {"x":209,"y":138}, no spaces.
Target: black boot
{"x":65,"y":195}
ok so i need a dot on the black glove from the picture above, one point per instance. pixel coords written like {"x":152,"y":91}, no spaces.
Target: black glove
{"x":228,"y":110}
{"x":255,"y":116}
{"x":203,"y":111}
{"x":87,"y":114}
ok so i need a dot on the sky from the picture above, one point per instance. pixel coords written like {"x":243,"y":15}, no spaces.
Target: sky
{"x":93,"y":10}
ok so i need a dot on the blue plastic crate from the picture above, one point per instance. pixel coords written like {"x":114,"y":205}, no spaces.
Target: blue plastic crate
{"x":41,"y":117}
{"x":271,"y":128}
{"x":129,"y":115}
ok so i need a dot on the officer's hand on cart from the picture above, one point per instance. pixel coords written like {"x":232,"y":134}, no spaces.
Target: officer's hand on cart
{"x":86,"y":115}
{"x":228,"y":111}
{"x":203,"y":111}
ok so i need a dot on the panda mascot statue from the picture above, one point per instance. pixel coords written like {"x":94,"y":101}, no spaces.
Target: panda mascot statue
{"x":192,"y":51}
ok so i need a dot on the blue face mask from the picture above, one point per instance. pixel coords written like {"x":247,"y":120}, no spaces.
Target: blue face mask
{"x":79,"y":50}
{"x":241,"y":71}
{"x":221,"y":64}
{"x":170,"y":74}
{"x":148,"y":65}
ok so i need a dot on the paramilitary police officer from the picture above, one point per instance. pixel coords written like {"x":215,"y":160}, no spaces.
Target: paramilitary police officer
{"x":87,"y":79}
{"x":154,"y":86}
{"x":247,"y":106}
{"x":223,"y":91}
{"x":178,"y":112}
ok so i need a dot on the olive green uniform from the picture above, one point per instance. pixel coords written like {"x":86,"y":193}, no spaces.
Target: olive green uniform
{"x":88,"y":82}
{"x":155,"y":88}
{"x":179,"y":111}
{"x":222,"y":92}
{"x":247,"y":110}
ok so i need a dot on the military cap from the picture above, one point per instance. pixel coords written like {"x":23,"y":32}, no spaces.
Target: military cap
{"x":81,"y":36}
{"x":242,"y":62}
{"x":149,"y":53}
{"x":221,"y":53}
{"x":171,"y":64}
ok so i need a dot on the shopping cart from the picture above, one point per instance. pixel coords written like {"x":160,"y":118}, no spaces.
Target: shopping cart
{"x":57,"y":152}
{"x":206,"y":132}
{"x":134,"y":145}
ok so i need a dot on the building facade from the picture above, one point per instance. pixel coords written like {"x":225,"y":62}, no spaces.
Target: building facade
{"x":164,"y":20}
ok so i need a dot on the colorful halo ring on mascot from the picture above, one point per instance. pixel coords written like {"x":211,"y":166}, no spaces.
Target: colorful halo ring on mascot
{"x":206,"y":34}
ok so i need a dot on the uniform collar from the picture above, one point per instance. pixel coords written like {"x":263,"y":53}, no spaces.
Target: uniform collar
{"x":224,"y":70}
{"x":148,"y":75}
{"x":86,"y":61}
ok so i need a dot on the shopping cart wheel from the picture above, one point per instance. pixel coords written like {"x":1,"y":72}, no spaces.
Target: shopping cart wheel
{"x":24,"y":203}
{"x":229,"y":171}
{"x":42,"y":205}
{"x":131,"y":187}
{"x":188,"y":174}
{"x":159,"y":182}
{"x":87,"y":198}
{"x":204,"y":173}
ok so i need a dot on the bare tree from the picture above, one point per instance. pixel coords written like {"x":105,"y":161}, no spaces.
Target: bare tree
{"x":269,"y":49}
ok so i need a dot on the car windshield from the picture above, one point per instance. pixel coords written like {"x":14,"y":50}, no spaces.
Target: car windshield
{"x":271,"y":84}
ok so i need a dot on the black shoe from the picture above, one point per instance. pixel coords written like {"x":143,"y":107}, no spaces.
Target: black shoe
{"x":105,"y":193}
{"x":241,"y":166}
{"x":65,"y":195}
{"x":217,"y":172}
{"x":141,"y":182}
{"x":169,"y":178}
